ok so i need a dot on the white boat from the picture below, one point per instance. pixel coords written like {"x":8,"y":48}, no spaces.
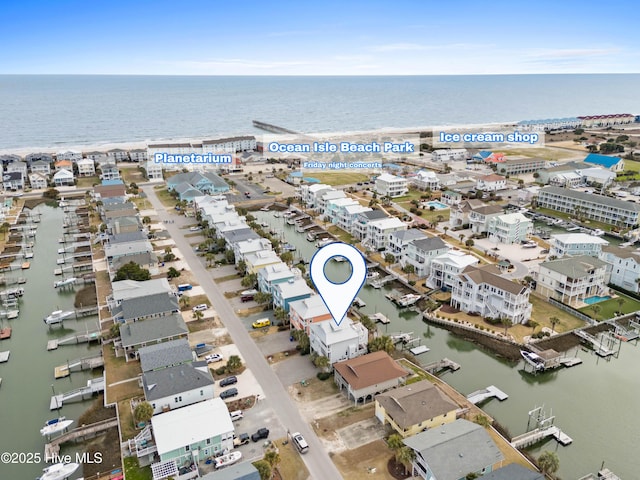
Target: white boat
{"x":59,"y":471}
{"x":228,"y":459}
{"x":62,"y":283}
{"x":287,"y":247}
{"x":533,"y":359}
{"x":371,"y":275}
{"x":60,"y":261}
{"x":597,"y":232}
{"x":358,"y":302}
{"x":324,"y":241}
{"x":311,"y":236}
{"x":339,"y":259}
{"x":28,"y":255}
{"x":276,"y":215}
{"x":57,"y":316}
{"x":54,"y":426}
{"x":408,"y":299}
{"x":253,"y":291}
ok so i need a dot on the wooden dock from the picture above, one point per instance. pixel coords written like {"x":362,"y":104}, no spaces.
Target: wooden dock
{"x":95,"y":385}
{"x":87,"y":363}
{"x":4,"y":356}
{"x":490,"y":392}
{"x":538,"y":434}
{"x":379,"y":318}
{"x":444,"y":364}
{"x":74,"y":339}
{"x":52,"y":449}
{"x":597,"y":344}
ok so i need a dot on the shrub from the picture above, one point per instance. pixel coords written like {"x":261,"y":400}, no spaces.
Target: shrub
{"x":323,"y":375}
{"x":221,"y":370}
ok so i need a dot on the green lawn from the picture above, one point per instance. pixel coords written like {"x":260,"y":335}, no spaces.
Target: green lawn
{"x":166,"y":198}
{"x":631,"y":166}
{"x":343,"y":236}
{"x":338,"y":178}
{"x":608,"y":308}
{"x":85,"y":182}
{"x":133,"y":471}
{"x":544,"y":153}
{"x":542,"y":311}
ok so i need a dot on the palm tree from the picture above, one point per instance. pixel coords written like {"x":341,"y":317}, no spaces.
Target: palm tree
{"x":272,"y":457}
{"x":249,"y":281}
{"x":554,"y":321}
{"x":197,"y":315}
{"x":548,"y":462}
{"x":409,"y":269}
{"x":384,"y":343}
{"x":395,"y":442}
{"x":322,"y":363}
{"x":620,"y":301}
{"x":209,"y":257}
{"x":533,"y":324}
{"x":405,"y":456}
{"x":445,"y":228}
{"x":234,"y":364}
{"x":596,"y":310}
{"x":506,"y":323}
{"x":281,"y":315}
{"x":184,"y":302}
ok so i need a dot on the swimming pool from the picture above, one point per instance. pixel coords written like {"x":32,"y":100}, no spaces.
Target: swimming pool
{"x":595,"y":299}
{"x":437,"y":205}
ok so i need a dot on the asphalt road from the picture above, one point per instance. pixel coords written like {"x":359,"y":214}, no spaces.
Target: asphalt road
{"x":317,"y":459}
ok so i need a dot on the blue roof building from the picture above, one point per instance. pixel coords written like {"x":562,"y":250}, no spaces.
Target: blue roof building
{"x":615,"y":164}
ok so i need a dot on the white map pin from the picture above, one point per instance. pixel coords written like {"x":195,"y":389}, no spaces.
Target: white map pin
{"x":338,"y":296}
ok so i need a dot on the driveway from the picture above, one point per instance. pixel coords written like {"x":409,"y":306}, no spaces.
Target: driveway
{"x":294,"y":370}
{"x":275,"y":343}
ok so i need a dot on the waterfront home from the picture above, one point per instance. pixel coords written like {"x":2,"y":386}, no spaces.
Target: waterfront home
{"x":187,"y":192}
{"x":286,"y":292}
{"x":426,"y":180}
{"x":153,"y":170}
{"x":231,"y":237}
{"x":239,"y":471}
{"x":444,"y":269}
{"x":480,"y":217}
{"x":241,"y":249}
{"x":348,"y":214}
{"x":86,"y":167}
{"x":368,"y":375}
{"x":112,"y":206}
{"x":255,"y":261}
{"x":63,"y":165}
{"x":400,"y":240}
{"x":513,"y":471}
{"x":378,"y":232}
{"x":333,"y":209}
{"x":459,"y":213}
{"x":453,"y":451}
{"x":229,"y":145}
{"x":623,"y":267}
{"x":20,"y":167}
{"x":118,"y":155}
{"x":177,"y":386}
{"x":450,"y":155}
{"x":107,"y":191}
{"x":449,"y":197}
{"x":491,"y":183}
{"x":361,"y":221}
{"x":414,"y":408}
{"x":193,"y":433}
{"x":575,"y":244}
{"x":125,"y":224}
{"x":572,"y":279}
{"x":303,"y":313}
{"x":140,"y":308}
{"x":607,"y":120}
{"x":38,"y":181}
{"x":614,"y":164}
{"x":594,"y":207}
{"x":126,"y":289}
{"x":521,"y":165}
{"x":387,"y":185}
{"x":310,"y":194}
{"x":183,"y":148}
{"x":272,"y":275}
{"x":206,"y":182}
{"x":97,"y":156}
{"x":126,"y":237}
{"x":146,"y":260}
{"x":71,"y":155}
{"x":12,"y":181}
{"x":114,"y":251}
{"x":136,"y":335}
{"x":326,"y":197}
{"x":420,"y":252}
{"x":40,"y":166}
{"x":338,"y":342}
{"x":109,"y":171}
{"x":138,"y":155}
{"x":31,"y":157}
{"x":483,"y":291}
{"x":63,"y":178}
{"x":509,"y":228}
{"x":164,"y":355}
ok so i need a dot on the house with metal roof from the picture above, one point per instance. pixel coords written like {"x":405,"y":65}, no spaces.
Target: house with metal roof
{"x":231,"y":237}
{"x":571,"y":280}
{"x":177,"y":386}
{"x":414,"y":408}
{"x":454,"y":450}
{"x":368,"y":375}
{"x":163,"y":355}
{"x":615,"y":164}
{"x":140,"y":308}
{"x":479,"y":217}
{"x":207,"y":182}
{"x":338,"y":342}
{"x":491,"y":183}
{"x":117,"y":250}
{"x":136,"y":335}
{"x":251,"y":245}
{"x":109,"y":172}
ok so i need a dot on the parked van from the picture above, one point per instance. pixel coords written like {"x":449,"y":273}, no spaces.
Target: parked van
{"x":184,"y":287}
{"x":300,"y":443}
{"x":236,"y":415}
{"x":263,"y":322}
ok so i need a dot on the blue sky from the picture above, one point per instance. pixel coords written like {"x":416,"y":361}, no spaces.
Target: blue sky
{"x":197,"y":37}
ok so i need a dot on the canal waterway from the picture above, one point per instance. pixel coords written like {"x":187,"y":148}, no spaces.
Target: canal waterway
{"x":593,"y":403}
{"x":28,"y":376}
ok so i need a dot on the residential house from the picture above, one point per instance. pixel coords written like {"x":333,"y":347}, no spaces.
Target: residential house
{"x":623,"y":267}
{"x":400,"y":240}
{"x":286,"y":292}
{"x":252,"y":245}
{"x":491,"y":183}
{"x":140,"y":308}
{"x":450,"y":155}
{"x":445,"y":268}
{"x":607,"y":120}
{"x":420,"y":252}
{"x":153,"y":170}
{"x":137,"y":335}
{"x":30,"y":158}
{"x":206,"y":182}
{"x":304,"y":313}
{"x":231,"y":237}
{"x":177,"y":386}
{"x":415,"y":408}
{"x":118,"y":155}
{"x":126,"y":224}
{"x":594,"y":207}
{"x":138,"y":155}
{"x":326,"y":197}
{"x":485,"y":156}
{"x":338,"y":342}
{"x":566,"y":179}
{"x":109,"y":172}
{"x":86,"y":167}
{"x":272,"y":275}
{"x":38,"y":181}
{"x":348,"y":214}
{"x":614,"y":164}
{"x":193,"y":433}
{"x":387,"y":185}
{"x":126,"y":237}
{"x":509,"y":228}
{"x":164,"y":355}
{"x":378,"y":232}
{"x":546,"y":174}
{"x":572,"y":279}
{"x":514,"y":471}
{"x":258,"y":260}
{"x":123,"y":249}
{"x":480,"y":217}
{"x":310,"y":194}
{"x":20,"y":167}
{"x":237,"y":471}
{"x":71,"y":155}
{"x":334,"y":209}
{"x":146,"y":260}
{"x":451,"y":198}
{"x":459,"y":213}
{"x":63,"y":178}
{"x":126,"y":289}
{"x":107,"y":191}
{"x":361,"y":221}
{"x":12,"y":181}
{"x":597,"y":176}
{"x":368,"y":375}
{"x":63,"y":165}
{"x":426,"y":180}
{"x":453,"y":451}
{"x":575,"y":244}
{"x":41,"y":166}
{"x":483,"y":291}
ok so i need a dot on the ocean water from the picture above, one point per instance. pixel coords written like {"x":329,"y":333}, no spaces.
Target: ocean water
{"x":58,"y":110}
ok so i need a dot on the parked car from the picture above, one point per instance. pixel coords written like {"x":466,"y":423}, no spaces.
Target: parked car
{"x":260,"y":434}
{"x":236,"y":415}
{"x":232,"y":392}
{"x":200,"y":308}
{"x":195,"y":229}
{"x":232,"y":380}
{"x":263,"y":322}
{"x":214,"y":357}
{"x":241,"y":439}
{"x":300,"y":443}
{"x":544,"y":252}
